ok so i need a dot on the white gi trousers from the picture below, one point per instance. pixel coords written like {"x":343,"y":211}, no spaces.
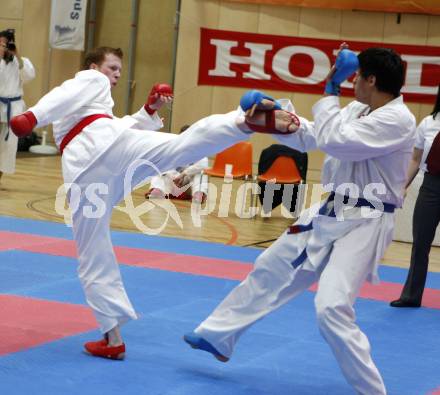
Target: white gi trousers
{"x":98,"y":269}
{"x":340,"y":267}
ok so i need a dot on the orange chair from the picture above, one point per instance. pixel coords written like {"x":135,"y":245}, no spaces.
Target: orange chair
{"x":239,"y":156}
{"x":282,"y":171}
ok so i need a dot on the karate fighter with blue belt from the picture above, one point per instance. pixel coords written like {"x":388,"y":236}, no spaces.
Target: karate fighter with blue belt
{"x":339,"y":242}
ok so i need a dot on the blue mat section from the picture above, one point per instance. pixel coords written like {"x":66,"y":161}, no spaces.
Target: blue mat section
{"x":136,"y":240}
{"x":180,"y":246}
{"x":282,"y":354}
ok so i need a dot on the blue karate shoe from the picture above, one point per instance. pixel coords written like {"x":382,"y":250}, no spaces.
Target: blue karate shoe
{"x":199,"y":343}
{"x":250,"y":98}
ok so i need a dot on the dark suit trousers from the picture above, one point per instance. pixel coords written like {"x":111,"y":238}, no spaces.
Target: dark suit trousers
{"x":426,"y":218}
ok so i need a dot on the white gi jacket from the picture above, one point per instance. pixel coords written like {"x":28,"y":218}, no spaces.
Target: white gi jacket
{"x":11,"y":86}
{"x":87,"y":94}
{"x":426,"y":133}
{"x":369,"y":152}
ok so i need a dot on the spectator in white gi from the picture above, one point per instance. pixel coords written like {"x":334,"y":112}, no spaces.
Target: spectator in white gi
{"x":339,"y":242}
{"x":14,"y":71}
{"x":184,"y":183}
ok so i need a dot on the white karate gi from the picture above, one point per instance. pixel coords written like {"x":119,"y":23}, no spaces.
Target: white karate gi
{"x":340,"y":255}
{"x":196,"y":180}
{"x":11,"y":86}
{"x":426,"y":133}
{"x":102,"y":153}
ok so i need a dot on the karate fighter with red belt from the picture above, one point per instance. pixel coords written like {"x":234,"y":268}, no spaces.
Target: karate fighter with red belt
{"x":97,"y":147}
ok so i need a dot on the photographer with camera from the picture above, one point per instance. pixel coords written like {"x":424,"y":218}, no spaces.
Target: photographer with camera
{"x":14,"y":71}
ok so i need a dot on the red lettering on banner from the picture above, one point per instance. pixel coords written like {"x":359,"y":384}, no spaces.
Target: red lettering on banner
{"x":301,"y":64}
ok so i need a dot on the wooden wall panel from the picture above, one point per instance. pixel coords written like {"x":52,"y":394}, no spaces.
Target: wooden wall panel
{"x":191,"y":101}
{"x":279,"y":20}
{"x":316,"y":23}
{"x":283,"y":20}
{"x":433,"y":31}
{"x":11,"y":9}
{"x":154,"y":50}
{"x":395,"y":6}
{"x":113,"y":30}
{"x":357,"y":26}
{"x":33,"y":44}
{"x":239,"y":17}
{"x":412,"y":29}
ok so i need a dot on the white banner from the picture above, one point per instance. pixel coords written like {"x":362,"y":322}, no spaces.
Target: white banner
{"x":67,"y":24}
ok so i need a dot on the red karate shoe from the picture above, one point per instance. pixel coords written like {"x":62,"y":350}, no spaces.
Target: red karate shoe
{"x":102,"y":349}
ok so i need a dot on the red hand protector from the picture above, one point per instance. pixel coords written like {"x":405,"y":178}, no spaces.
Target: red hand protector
{"x":23,"y":124}
{"x":156,"y":91}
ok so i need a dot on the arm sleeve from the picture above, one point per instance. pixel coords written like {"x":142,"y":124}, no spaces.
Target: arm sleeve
{"x":197,"y":167}
{"x":383,"y":131}
{"x":144,"y":121}
{"x":27,"y":73}
{"x":70,"y":96}
{"x":420,"y":135}
{"x":303,"y":139}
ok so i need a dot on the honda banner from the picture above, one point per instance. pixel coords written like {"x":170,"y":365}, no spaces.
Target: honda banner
{"x":67,"y":24}
{"x":300,"y":64}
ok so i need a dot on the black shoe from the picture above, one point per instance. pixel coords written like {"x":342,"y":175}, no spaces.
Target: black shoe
{"x":404,"y":303}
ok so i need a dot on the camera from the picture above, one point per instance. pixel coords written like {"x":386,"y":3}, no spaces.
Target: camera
{"x":9,"y":34}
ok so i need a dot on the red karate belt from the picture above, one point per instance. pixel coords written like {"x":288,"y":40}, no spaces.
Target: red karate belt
{"x":433,"y":158}
{"x":77,"y":129}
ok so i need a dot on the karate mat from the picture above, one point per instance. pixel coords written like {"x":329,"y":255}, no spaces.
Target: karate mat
{"x":173,"y":285}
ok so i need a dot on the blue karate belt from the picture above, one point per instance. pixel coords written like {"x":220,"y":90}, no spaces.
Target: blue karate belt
{"x":8,"y":101}
{"x":361,"y":202}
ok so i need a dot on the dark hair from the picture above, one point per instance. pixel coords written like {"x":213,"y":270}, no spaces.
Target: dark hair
{"x":436,"y":109}
{"x":97,"y":56}
{"x":386,"y":65}
{"x":9,"y":34}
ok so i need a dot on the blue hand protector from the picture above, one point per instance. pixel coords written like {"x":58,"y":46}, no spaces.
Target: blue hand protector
{"x":346,"y":64}
{"x":255,"y":97}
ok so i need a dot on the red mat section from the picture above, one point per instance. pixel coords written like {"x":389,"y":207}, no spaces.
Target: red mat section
{"x":31,"y":322}
{"x":386,"y":291}
{"x":212,"y":267}
{"x":17,"y":241}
